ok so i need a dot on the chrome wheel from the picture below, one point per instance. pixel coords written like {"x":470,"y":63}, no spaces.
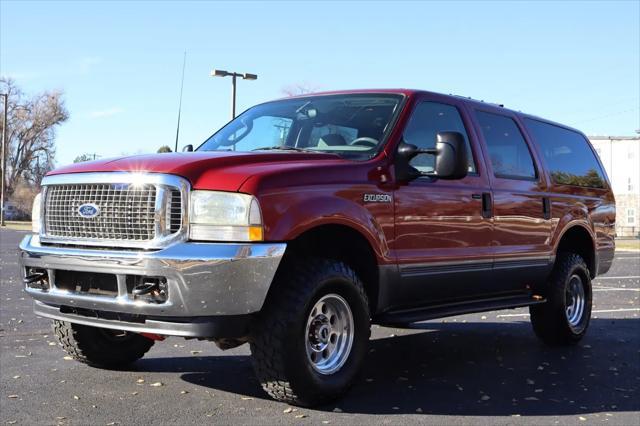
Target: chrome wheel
{"x":574,"y":300}
{"x":329,"y":334}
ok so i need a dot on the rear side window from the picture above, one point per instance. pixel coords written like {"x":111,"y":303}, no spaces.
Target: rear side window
{"x":567,"y":154}
{"x":509,"y":153}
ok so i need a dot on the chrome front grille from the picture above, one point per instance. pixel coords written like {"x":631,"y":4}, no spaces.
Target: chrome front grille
{"x":125,"y":209}
{"x":175,"y":211}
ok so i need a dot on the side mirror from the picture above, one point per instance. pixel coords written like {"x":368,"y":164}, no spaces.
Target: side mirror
{"x":187,"y":148}
{"x":451,"y":158}
{"x":452,"y":161}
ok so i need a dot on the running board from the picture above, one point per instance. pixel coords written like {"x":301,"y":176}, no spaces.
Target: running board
{"x":450,"y":310}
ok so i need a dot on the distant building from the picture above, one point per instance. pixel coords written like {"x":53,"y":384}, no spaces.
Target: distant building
{"x":620,"y":156}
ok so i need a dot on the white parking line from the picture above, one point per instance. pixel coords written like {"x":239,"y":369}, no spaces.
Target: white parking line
{"x":618,"y":278}
{"x":599,"y":311}
{"x":615,"y":289}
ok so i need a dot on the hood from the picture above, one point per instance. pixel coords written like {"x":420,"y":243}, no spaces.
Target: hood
{"x":224,"y":171}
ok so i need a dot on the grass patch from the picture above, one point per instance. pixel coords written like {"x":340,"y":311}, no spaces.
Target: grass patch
{"x":18,"y":225}
{"x":628,"y":244}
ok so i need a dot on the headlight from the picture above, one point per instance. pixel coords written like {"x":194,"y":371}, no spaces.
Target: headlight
{"x":224,"y":216}
{"x":35,"y":214}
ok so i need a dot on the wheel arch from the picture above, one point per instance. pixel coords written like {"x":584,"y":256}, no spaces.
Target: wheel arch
{"x":578,"y":238}
{"x":342,"y":243}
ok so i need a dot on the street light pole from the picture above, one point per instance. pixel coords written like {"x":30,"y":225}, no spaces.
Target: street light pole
{"x":234,"y":76}
{"x":233,"y":96}
{"x":4,"y":155}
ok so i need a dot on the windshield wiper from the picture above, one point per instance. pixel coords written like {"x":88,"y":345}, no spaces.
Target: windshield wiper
{"x":283,"y":148}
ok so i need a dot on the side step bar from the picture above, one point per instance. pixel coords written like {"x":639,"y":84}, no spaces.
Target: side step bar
{"x":453,"y":309}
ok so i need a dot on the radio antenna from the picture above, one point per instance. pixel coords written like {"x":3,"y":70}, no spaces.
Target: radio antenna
{"x":184,"y":62}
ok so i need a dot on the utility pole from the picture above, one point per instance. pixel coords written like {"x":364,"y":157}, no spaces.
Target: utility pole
{"x":233,"y":75}
{"x":4,"y":155}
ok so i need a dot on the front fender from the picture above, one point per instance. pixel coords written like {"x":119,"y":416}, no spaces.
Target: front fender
{"x":287,"y":215}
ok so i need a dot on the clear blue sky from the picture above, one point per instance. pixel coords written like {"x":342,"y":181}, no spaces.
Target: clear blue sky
{"x":119,"y":63}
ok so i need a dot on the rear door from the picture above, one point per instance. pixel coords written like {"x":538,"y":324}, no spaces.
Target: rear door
{"x":521,"y":206}
{"x":443,"y":228}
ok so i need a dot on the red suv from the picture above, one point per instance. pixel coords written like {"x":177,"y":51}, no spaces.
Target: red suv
{"x":304,"y":220}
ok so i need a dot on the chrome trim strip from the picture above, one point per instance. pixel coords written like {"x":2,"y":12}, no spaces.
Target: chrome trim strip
{"x":110,"y":177}
{"x":203,"y":279}
{"x":418,"y":269}
{"x":162,"y":182}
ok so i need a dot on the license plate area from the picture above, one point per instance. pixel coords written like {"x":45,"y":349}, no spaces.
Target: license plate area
{"x":87,"y":283}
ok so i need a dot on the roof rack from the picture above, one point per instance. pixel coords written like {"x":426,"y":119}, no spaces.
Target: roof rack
{"x":477,"y":100}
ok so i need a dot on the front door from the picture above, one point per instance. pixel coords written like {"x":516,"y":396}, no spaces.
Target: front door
{"x":443,"y":228}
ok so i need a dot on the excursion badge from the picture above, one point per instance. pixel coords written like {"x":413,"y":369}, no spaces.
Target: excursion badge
{"x":377,"y":198}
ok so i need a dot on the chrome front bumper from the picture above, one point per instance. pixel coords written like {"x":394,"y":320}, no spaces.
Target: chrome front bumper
{"x":203,"y":279}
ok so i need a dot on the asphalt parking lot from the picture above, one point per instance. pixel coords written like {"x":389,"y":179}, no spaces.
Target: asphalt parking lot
{"x":468,"y":370}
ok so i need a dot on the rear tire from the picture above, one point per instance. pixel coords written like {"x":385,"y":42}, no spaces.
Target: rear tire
{"x":564,"y":318}
{"x":311,"y":337}
{"x":101,"y":347}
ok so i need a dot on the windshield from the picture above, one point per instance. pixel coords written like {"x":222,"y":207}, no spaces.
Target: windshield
{"x":352,"y":126}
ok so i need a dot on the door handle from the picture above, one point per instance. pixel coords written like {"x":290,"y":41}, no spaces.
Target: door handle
{"x":487,"y":208}
{"x":546,"y":207}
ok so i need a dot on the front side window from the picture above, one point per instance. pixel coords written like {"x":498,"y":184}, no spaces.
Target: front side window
{"x":352,"y":126}
{"x":427,"y":119}
{"x":509,"y":153}
{"x":568,"y":155}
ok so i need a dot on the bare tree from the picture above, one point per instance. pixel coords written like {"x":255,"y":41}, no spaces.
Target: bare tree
{"x":84,"y":157}
{"x":299,"y":89}
{"x":164,"y":148}
{"x":31,"y":125}
{"x":23,"y":195}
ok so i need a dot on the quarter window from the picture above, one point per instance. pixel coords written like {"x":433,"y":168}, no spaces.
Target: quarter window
{"x":567,"y":154}
{"x":427,"y":119}
{"x":510,"y":156}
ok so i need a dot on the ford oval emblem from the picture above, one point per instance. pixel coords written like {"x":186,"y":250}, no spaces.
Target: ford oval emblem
{"x":88,"y":210}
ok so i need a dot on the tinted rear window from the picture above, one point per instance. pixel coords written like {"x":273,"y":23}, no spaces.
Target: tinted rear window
{"x":570,"y":159}
{"x":510,"y":156}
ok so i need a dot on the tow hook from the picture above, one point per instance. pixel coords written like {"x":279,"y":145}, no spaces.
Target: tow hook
{"x":153,"y":336}
{"x":153,"y":289}
{"x":37,"y":279}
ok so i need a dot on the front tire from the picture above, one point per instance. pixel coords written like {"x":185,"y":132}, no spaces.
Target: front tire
{"x":311,"y":337}
{"x":564,"y":318}
{"x":100,"y":347}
